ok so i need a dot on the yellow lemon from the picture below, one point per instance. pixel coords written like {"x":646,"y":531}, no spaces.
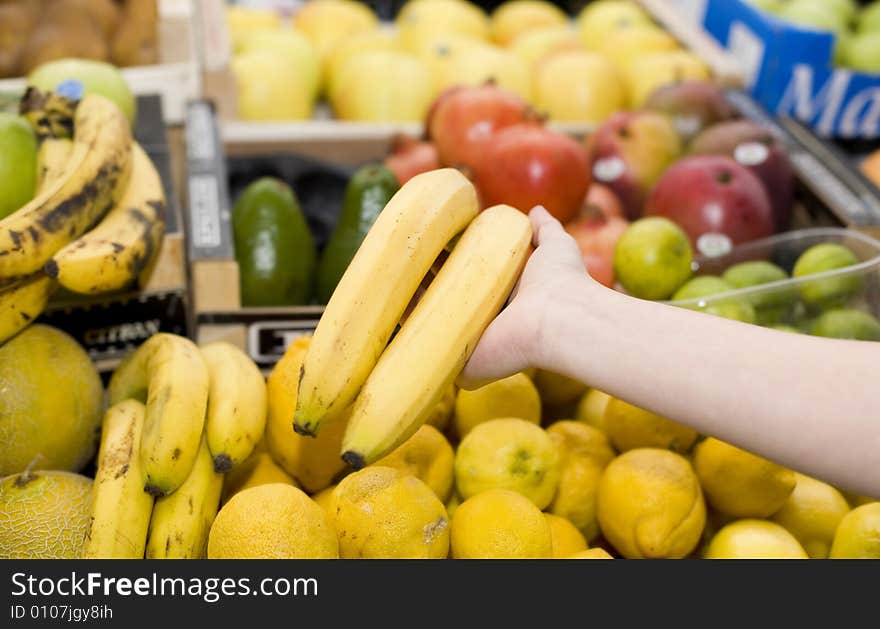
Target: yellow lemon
{"x":438,"y":52}
{"x":592,"y":553}
{"x":812,"y":513}
{"x":624,"y":46}
{"x":584,"y":454}
{"x":508,"y":454}
{"x":565,"y":537}
{"x":270,"y":88}
{"x":313,"y":461}
{"x":515,"y":396}
{"x":442,"y":412}
{"x":650,"y":505}
{"x":647,"y":73}
{"x":478,"y":64}
{"x":274,"y":521}
{"x":325,"y":500}
{"x":533,"y":45}
{"x":554,"y":388}
{"x":577,"y":85}
{"x":382,"y":513}
{"x":293,"y":47}
{"x":591,"y":408}
{"x":453,"y":503}
{"x":516,"y":17}
{"x":858,"y":535}
{"x":740,"y":484}
{"x":369,"y":41}
{"x":500,"y":524}
{"x":600,"y":19}
{"x":754,"y":539}
{"x":631,"y":427}
{"x":330,"y":22}
{"x":242,"y":21}
{"x":417,"y":20}
{"x":426,"y":455}
{"x":257,"y":469}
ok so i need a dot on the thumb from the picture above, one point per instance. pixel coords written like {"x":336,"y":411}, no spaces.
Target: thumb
{"x":497,"y":354}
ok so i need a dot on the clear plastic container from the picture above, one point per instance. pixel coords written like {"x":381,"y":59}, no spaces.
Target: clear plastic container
{"x":801,"y":303}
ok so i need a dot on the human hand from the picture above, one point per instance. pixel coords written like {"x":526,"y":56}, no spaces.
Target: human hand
{"x":516,"y":339}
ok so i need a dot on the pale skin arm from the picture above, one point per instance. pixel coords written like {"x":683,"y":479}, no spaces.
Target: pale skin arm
{"x":808,"y":403}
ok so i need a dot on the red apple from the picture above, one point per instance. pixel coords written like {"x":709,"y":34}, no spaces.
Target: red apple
{"x":629,"y":152}
{"x":410,"y":157}
{"x":715,"y":200}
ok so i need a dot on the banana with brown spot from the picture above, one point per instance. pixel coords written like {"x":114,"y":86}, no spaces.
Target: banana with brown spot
{"x":23,"y":302}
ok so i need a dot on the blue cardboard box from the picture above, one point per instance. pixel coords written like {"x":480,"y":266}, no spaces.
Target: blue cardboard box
{"x":790,"y":69}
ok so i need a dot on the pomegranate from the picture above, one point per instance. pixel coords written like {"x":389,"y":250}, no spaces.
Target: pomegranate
{"x":527,"y":165}
{"x":600,"y":269}
{"x":410,"y":157}
{"x":597,"y":236}
{"x":602,"y":200}
{"x":463,"y":119}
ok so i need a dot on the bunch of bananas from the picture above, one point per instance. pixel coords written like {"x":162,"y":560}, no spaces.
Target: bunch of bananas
{"x":387,"y":390}
{"x":179,"y":417}
{"x":97,"y":221}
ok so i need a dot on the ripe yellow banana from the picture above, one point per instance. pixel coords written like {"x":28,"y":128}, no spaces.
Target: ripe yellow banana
{"x":120,"y":509}
{"x":23,"y":302}
{"x":412,"y":229}
{"x":436,"y":340}
{"x":168,"y":373}
{"x":98,"y":166}
{"x":116,"y":253}
{"x":236,"y":417}
{"x":52,"y":159}
{"x":181,"y":520}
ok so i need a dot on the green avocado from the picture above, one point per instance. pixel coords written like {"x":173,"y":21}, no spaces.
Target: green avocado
{"x":367,"y":193}
{"x":273,"y":246}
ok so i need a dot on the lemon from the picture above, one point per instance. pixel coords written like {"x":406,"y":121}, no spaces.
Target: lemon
{"x":500,"y":524}
{"x":811,"y":513}
{"x":274,"y":521}
{"x":554,"y":388}
{"x":584,"y":454}
{"x":601,"y":19}
{"x":741,"y":484}
{"x":361,"y":43}
{"x":242,"y":21}
{"x":650,"y":505}
{"x":592,"y":553}
{"x":329,"y":23}
{"x":426,"y":455}
{"x":629,"y":427}
{"x":508,"y":454}
{"x":858,"y":535}
{"x":257,"y":469}
{"x":515,"y":396}
{"x":293,"y":47}
{"x":453,"y":503}
{"x":565,"y":537}
{"x":382,"y":513}
{"x":442,"y":412}
{"x":417,"y":20}
{"x":313,"y":461}
{"x":513,"y":18}
{"x":326,"y":501}
{"x":534,"y":45}
{"x":591,"y":408}
{"x":754,"y":539}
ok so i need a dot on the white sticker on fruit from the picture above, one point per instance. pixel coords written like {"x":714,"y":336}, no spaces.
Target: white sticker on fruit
{"x":609,"y":169}
{"x":714,"y":245}
{"x":751,"y":153}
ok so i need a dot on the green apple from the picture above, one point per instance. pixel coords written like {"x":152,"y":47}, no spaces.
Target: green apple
{"x":862,"y":52}
{"x":652,"y":258}
{"x":829,"y":292}
{"x":709,"y":285}
{"x":772,"y":306}
{"x":847,"y":9}
{"x":847,"y":324}
{"x":96,"y":77}
{"x":814,"y":14}
{"x":18,"y":163}
{"x":869,"y":20}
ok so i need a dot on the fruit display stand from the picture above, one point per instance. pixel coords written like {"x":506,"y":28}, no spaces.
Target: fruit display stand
{"x":176,"y":77}
{"x":109,"y":326}
{"x":348,"y":142}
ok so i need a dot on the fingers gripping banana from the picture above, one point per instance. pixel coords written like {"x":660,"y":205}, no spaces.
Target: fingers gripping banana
{"x":120,"y":509}
{"x":52,"y":159}
{"x":412,"y":229}
{"x":23,"y":302}
{"x":236,"y":416}
{"x":435,"y":342}
{"x":98,"y":165}
{"x":181,"y":521}
{"x":169,"y":374}
{"x":115,"y":254}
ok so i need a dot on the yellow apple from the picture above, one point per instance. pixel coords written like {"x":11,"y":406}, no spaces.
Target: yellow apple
{"x":439,"y":51}
{"x":515,"y":17}
{"x":536,"y":44}
{"x":240,"y":21}
{"x":370,"y":41}
{"x":649,"y":72}
{"x":623,"y":46}
{"x":418,"y":20}
{"x":601,"y":18}
{"x":270,"y":88}
{"x":382,"y":86}
{"x":578,"y":86}
{"x":479,"y":64}
{"x":293,"y":47}
{"x":328,"y":23}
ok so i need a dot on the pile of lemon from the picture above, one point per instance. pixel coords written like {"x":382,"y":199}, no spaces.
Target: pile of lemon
{"x":615,"y":481}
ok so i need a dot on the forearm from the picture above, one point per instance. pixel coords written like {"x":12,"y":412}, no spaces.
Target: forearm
{"x":811,"y":404}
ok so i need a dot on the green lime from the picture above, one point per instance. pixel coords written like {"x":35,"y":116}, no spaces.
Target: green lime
{"x":708,"y":285}
{"x":770,"y":307}
{"x":653,"y":258}
{"x":830,"y":292}
{"x":18,"y":163}
{"x":847,"y":323}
